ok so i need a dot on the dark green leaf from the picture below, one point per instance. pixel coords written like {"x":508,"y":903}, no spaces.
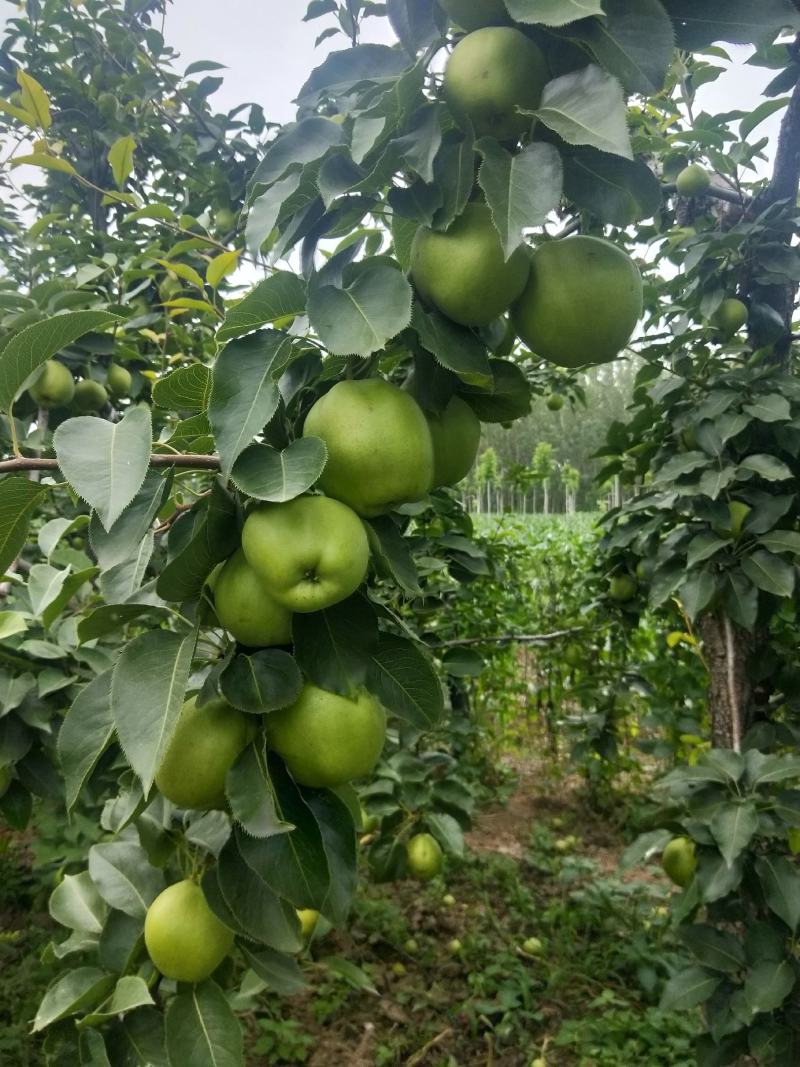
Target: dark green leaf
{"x":282,"y":295}
{"x":586,"y":107}
{"x":251,"y":796}
{"x":614,"y":189}
{"x":85,"y":733}
{"x":521,"y":189}
{"x":18,"y":497}
{"x":405,"y":681}
{"x":334,"y":647}
{"x":358,"y":316}
{"x":688,"y":988}
{"x":267,"y":474}
{"x":202,"y":1030}
{"x":185,"y":389}
{"x":264,"y":681}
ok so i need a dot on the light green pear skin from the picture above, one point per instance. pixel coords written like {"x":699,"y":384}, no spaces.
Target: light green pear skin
{"x":456,"y":435}
{"x":90,"y":396}
{"x":491,"y":73}
{"x":119,"y":381}
{"x":185,"y":939}
{"x":380,"y":452}
{"x":55,"y":386}
{"x":424,"y":856}
{"x":463,"y":272}
{"x":203,"y":748}
{"x":326,"y":739}
{"x":245,"y":607}
{"x":309,"y":553}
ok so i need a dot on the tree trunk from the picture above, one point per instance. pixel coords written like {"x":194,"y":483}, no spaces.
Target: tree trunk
{"x":730,"y":692}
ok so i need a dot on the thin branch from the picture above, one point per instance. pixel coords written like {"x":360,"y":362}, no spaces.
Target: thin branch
{"x":503,"y":639}
{"x":35,"y":463}
{"x":716,"y":192}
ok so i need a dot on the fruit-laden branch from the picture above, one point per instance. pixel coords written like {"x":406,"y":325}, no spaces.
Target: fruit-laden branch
{"x":501,"y":639}
{"x":36,"y":463}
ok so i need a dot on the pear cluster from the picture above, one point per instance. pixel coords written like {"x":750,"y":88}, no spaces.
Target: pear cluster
{"x":55,"y":387}
{"x":573,"y":302}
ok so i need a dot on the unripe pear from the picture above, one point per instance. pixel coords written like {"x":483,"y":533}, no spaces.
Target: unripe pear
{"x":90,"y":396}
{"x":679,"y":860}
{"x":730,"y":317}
{"x":693,"y":181}
{"x":55,"y":386}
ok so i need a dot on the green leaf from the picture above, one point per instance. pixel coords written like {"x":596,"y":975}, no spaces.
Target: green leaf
{"x":635,"y":45}
{"x":267,"y":474}
{"x":759,"y":114}
{"x":737,"y":21}
{"x":781,"y":541}
{"x":18,"y":498}
{"x":405,"y":681}
{"x":455,"y":347}
{"x":12,"y":622}
{"x":420,"y":145}
{"x":715,"y":949}
{"x":770,"y":408}
{"x":336,"y":825}
{"x":740,"y":600}
{"x":281,"y":972}
{"x":265,"y":681}
{"x":147,"y":691}
{"x":446,"y":831}
{"x":45,"y":161}
{"x":375,"y":63}
{"x":780,"y":881}
{"x":763,"y":769}
{"x":18,"y":113}
{"x":586,"y":107}
{"x":293,"y":865}
{"x":334,"y":647}
{"x":130,"y":993}
{"x":34,"y":99}
{"x":358,"y":317}
{"x":688,"y":988}
{"x":768,"y":985}
{"x":184,"y":271}
{"x":221,"y":266}
{"x":521,"y":189}
{"x":616,"y":190}
{"x":124,"y":877}
{"x":120,"y":158}
{"x":138,"y":1039}
{"x":509,"y":397}
{"x":76,"y":904}
{"x":552,"y":12}
{"x":105,"y":462}
{"x":70,"y":587}
{"x":185,"y":389}
{"x":85,"y":733}
{"x":202,"y":1030}
{"x":244,"y":392}
{"x":33,"y":346}
{"x":216,"y":537}
{"x":703,"y":547}
{"x":123,"y":540}
{"x":391,"y":554}
{"x":299,"y":143}
{"x":252,"y":905}
{"x":251,"y":796}
{"x":770,"y":573}
{"x":266,"y":210}
{"x":71,"y":993}
{"x":351,"y":973}
{"x":733,"y":826}
{"x":281,"y":296}
{"x":768,"y":467}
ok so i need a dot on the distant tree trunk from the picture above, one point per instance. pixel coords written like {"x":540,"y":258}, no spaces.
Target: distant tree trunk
{"x":546,"y":490}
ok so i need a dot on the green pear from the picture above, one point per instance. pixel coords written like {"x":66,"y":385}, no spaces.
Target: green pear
{"x":55,"y":386}
{"x":456,"y":435}
{"x":90,"y":396}
{"x":119,"y":380}
{"x":245,"y":607}
{"x":309,"y":553}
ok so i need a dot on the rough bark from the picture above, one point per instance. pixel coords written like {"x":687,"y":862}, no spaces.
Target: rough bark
{"x":730,"y":692}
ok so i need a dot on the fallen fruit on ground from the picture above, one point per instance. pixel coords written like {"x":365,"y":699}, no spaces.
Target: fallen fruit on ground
{"x":679,"y":860}
{"x":203,"y":748}
{"x":463,"y":272}
{"x":533,"y":946}
{"x":424,"y":855}
{"x":326,"y":739}
{"x":184,"y":938}
{"x":309,"y":918}
{"x":492,"y":74}
{"x":247,"y":609}
{"x":582,"y":302}
{"x":55,"y":386}
{"x":380,"y":452}
{"x":309,"y":553}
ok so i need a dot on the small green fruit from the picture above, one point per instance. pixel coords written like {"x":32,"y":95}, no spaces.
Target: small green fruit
{"x":562,"y":844}
{"x":424,"y":856}
{"x":326,"y":739}
{"x":555,"y":402}
{"x":533,"y":946}
{"x":169,"y":288}
{"x":119,"y":380}
{"x":692,"y":181}
{"x":225,"y":220}
{"x":90,"y":396}
{"x":204,"y":747}
{"x":454,"y":947}
{"x":399,"y":969}
{"x":679,"y":860}
{"x":245,"y":607}
{"x":54,"y":388}
{"x":492,"y":73}
{"x":411,"y":946}
{"x":730,"y":317}
{"x":622,"y":588}
{"x":456,"y":435}
{"x":448,"y":900}
{"x":309,"y":918}
{"x":185,"y":939}
{"x":107,"y":106}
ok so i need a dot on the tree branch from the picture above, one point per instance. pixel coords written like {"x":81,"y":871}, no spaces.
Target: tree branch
{"x":716,"y":192}
{"x":502,"y":639}
{"x":157,"y":459}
